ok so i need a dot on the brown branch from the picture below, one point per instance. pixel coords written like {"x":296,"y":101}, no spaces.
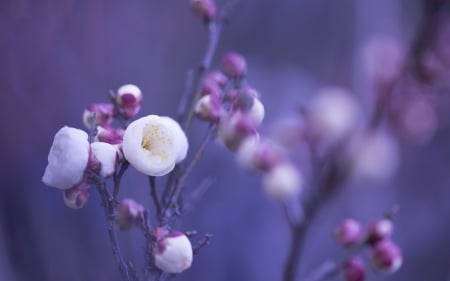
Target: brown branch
{"x":154,"y":195}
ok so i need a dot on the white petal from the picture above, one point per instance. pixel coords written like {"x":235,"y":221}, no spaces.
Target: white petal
{"x":257,"y":111}
{"x":282,"y":183}
{"x":106,"y":154}
{"x":67,"y":159}
{"x":180,"y":139}
{"x":176,"y":256}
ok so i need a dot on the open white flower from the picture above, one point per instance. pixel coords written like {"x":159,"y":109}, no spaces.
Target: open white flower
{"x":173,"y":253}
{"x":67,"y":159}
{"x":106,"y":155}
{"x":154,"y":144}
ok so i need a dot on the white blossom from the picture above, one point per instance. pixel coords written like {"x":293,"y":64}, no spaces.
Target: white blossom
{"x":173,"y":253}
{"x":256,"y":112}
{"x":154,"y":144}
{"x":106,"y":155}
{"x":282,"y":182}
{"x":67,"y":159}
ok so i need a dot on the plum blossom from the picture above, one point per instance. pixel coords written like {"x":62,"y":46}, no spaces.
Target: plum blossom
{"x":283,"y":182}
{"x":173,"y":252}
{"x":106,"y":155}
{"x":67,"y":159}
{"x":154,"y":144}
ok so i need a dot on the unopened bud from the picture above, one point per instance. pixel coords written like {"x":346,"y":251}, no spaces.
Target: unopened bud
{"x":217,"y":77}
{"x":259,"y":155}
{"x":234,"y":129}
{"x":102,"y":112}
{"x":173,"y":252}
{"x":210,"y":87}
{"x":349,"y":233}
{"x":206,"y":9}
{"x":77,"y":196}
{"x":128,"y":213}
{"x":209,"y":108}
{"x":107,"y":157}
{"x":283,"y":182}
{"x":234,"y":65}
{"x":109,"y":135}
{"x":354,"y":269}
{"x":128,"y":100}
{"x":380,"y":230}
{"x":387,"y":256}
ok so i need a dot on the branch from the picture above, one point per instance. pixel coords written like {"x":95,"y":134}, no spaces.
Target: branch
{"x":117,"y":179}
{"x":154,"y":195}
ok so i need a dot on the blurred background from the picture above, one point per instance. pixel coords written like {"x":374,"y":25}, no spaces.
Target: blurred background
{"x":60,"y":55}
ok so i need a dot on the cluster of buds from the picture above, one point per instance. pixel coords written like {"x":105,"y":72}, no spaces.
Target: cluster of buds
{"x":386,"y":256}
{"x":152,"y":144}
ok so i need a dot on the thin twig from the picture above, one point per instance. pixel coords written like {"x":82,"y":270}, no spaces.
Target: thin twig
{"x":117,"y":179}
{"x":154,"y":195}
{"x":202,"y":243}
{"x":326,"y":271}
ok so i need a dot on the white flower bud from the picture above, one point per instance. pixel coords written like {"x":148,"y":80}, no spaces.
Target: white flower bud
{"x":255,"y":154}
{"x":106,"y":155}
{"x":256,"y":112}
{"x":236,"y":128}
{"x":103,"y":112}
{"x":109,"y":134}
{"x":282,"y":182}
{"x":129,"y":99}
{"x":77,"y":196}
{"x":67,"y":159}
{"x":209,"y":108}
{"x":173,"y":253}
{"x":154,"y":144}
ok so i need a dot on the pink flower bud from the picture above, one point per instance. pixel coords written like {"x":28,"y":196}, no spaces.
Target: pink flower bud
{"x":354,"y":269}
{"x":349,"y":233}
{"x":259,"y":155}
{"x":234,"y":129}
{"x":209,"y":108}
{"x":128,"y":213}
{"x":234,"y":65}
{"x":128,"y":100}
{"x":173,"y":251}
{"x":77,"y":196}
{"x":206,"y":9}
{"x":387,"y":256}
{"x":103,"y":112}
{"x":109,"y":135}
{"x":210,"y":87}
{"x":217,"y":77}
{"x":380,"y":230}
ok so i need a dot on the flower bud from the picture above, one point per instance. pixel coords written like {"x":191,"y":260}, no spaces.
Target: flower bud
{"x":103,"y":112}
{"x":283,"y":182}
{"x":217,"y":77}
{"x":210,"y":87}
{"x":128,"y":100}
{"x":354,"y":269}
{"x":234,"y":65}
{"x":67,"y":159}
{"x":209,"y":108}
{"x":257,"y":112}
{"x":128,"y":213}
{"x":234,"y":129}
{"x":349,"y":233}
{"x":206,"y":9}
{"x":107,"y":156}
{"x":259,"y":155}
{"x":387,"y":256}
{"x":77,"y":196}
{"x":109,"y":135}
{"x":173,"y":252}
{"x":154,"y":144}
{"x":380,"y":230}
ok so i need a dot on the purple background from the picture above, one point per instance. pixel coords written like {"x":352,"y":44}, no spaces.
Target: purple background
{"x":60,"y":55}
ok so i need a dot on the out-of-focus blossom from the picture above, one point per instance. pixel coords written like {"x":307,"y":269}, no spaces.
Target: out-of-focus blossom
{"x":107,"y":156}
{"x":173,"y":252}
{"x":263,"y":155}
{"x":109,"y":135}
{"x":215,"y":76}
{"x":349,"y":233}
{"x":129,"y":212}
{"x":354,"y":269}
{"x":211,"y":87}
{"x":376,"y":157}
{"x":128,"y":100}
{"x":154,"y":144}
{"x":333,"y":114}
{"x":234,"y":65}
{"x":283,"y":182}
{"x":206,"y":9}
{"x":387,"y":256}
{"x":380,"y":230}
{"x":289,"y":131}
{"x":77,"y":196}
{"x":103,"y":112}
{"x":234,"y":129}
{"x":67,"y":159}
{"x":209,"y":108}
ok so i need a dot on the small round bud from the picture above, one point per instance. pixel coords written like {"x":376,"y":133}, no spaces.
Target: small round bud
{"x":109,"y":135}
{"x":234,"y":65}
{"x":77,"y":196}
{"x":128,"y":100}
{"x":380,"y":230}
{"x":173,"y":252}
{"x":259,"y":155}
{"x":103,"y":112}
{"x":283,"y":182}
{"x":128,"y":213}
{"x":257,"y":112}
{"x":209,"y":108}
{"x":210,"y":87}
{"x":234,"y":129}
{"x":349,"y":233}
{"x":217,"y":77}
{"x":206,"y":9}
{"x":354,"y":269}
{"x":107,"y":157}
{"x":387,"y":256}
